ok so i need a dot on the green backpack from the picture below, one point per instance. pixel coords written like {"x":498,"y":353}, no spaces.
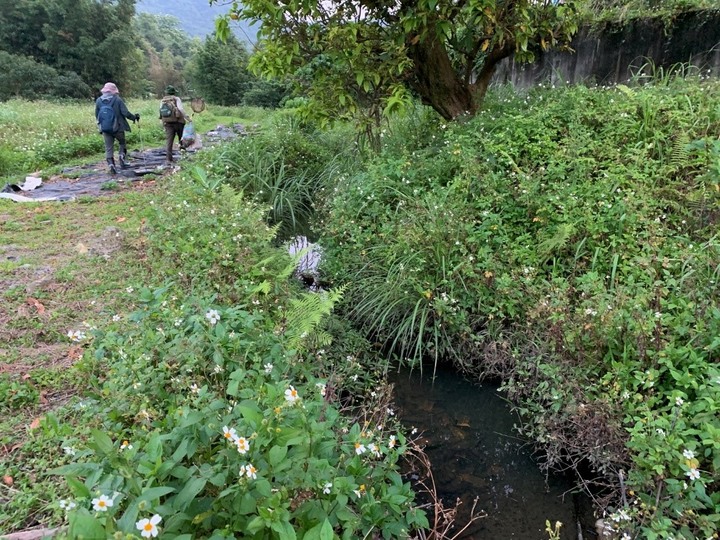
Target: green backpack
{"x":169,"y":111}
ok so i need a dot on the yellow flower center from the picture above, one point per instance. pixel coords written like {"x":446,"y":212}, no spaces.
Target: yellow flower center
{"x":293,"y":393}
{"x":148,"y":527}
{"x":101,"y":504}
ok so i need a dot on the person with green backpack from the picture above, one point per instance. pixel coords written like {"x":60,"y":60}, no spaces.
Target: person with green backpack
{"x":173,"y":118}
{"x":112,"y":115}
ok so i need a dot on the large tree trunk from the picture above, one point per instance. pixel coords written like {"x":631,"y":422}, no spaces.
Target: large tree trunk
{"x":435,"y":80}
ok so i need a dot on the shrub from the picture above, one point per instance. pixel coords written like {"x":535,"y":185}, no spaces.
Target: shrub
{"x":564,"y":240}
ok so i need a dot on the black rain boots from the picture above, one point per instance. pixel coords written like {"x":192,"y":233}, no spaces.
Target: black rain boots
{"x":123,"y":161}
{"x":111,"y":165}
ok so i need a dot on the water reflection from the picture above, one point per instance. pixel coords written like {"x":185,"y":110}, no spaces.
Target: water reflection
{"x":474,"y":452}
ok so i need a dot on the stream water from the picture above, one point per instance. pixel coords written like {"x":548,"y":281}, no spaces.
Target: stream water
{"x":469,"y":437}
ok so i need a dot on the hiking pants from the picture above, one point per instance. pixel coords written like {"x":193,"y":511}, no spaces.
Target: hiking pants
{"x":172,"y":129}
{"x":109,"y":139}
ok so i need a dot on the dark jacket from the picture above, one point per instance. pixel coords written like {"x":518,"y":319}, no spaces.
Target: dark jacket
{"x":120,"y":109}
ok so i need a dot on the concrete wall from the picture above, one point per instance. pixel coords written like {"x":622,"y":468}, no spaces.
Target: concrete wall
{"x":613,"y":54}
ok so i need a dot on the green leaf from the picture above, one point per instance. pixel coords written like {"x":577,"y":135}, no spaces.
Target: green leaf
{"x":326,"y":532}
{"x":77,"y":488}
{"x":155,"y":493}
{"x":277,"y":454}
{"x":257,"y":524}
{"x":263,"y":487}
{"x":188,"y":493}
{"x":251,"y":413}
{"x":127,"y":521}
{"x":83,"y":526}
{"x":285,"y":530}
{"x":101,"y":442}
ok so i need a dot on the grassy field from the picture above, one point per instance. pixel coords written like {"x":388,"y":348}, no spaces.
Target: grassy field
{"x":45,"y":135}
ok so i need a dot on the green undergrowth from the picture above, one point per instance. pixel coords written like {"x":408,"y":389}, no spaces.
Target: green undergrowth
{"x":566,"y":240}
{"x":228,"y":400}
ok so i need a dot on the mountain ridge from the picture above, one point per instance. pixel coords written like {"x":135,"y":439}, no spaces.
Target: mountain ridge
{"x":197,"y":17}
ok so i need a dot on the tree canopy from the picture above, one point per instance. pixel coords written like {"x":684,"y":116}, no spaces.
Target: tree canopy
{"x":86,"y":39}
{"x":219,"y":70}
{"x":353,"y":54}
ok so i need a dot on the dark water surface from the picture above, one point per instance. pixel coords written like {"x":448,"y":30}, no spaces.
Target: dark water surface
{"x":468,"y":430}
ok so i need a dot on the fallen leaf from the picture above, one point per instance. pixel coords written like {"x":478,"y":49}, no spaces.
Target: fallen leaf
{"x":35,"y":423}
{"x":43,"y":399}
{"x":36,"y":304}
{"x":75,"y":353}
{"x":9,"y":481}
{"x":120,"y":219}
{"x":81,"y":248}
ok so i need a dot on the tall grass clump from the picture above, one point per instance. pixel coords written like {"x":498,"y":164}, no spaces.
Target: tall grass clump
{"x":286,"y":168}
{"x":565,"y":240}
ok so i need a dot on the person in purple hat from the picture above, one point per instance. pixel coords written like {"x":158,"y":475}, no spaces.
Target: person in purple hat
{"x":112,"y":117}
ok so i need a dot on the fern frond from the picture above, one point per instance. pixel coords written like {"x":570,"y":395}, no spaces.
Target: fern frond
{"x":563,"y":233}
{"x":305,"y":315}
{"x":680,"y":152}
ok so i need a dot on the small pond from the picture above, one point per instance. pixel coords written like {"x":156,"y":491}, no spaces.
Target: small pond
{"x":468,"y":432}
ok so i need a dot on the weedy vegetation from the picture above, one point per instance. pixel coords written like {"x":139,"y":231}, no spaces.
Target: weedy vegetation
{"x":563,"y":240}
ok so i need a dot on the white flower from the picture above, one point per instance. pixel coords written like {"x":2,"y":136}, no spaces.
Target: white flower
{"x":242,"y":444}
{"x":322,"y":388}
{"x":148,"y":527}
{"x":213,"y":316}
{"x":230,"y":434}
{"x":625,"y":536}
{"x":679,"y":401}
{"x":66,"y":505}
{"x":126,"y":445}
{"x":76,"y":335}
{"x":693,"y":474}
{"x":194,"y":388}
{"x":291,"y":394}
{"x":129,"y":290}
{"x":688,"y":454}
{"x":359,"y":448}
{"x":249,"y":471}
{"x":327,"y":487}
{"x":102,"y":503}
{"x":374,"y":449}
{"x":392,"y":442}
{"x":69,"y":450}
{"x":268,"y":368}
{"x":116,"y":318}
